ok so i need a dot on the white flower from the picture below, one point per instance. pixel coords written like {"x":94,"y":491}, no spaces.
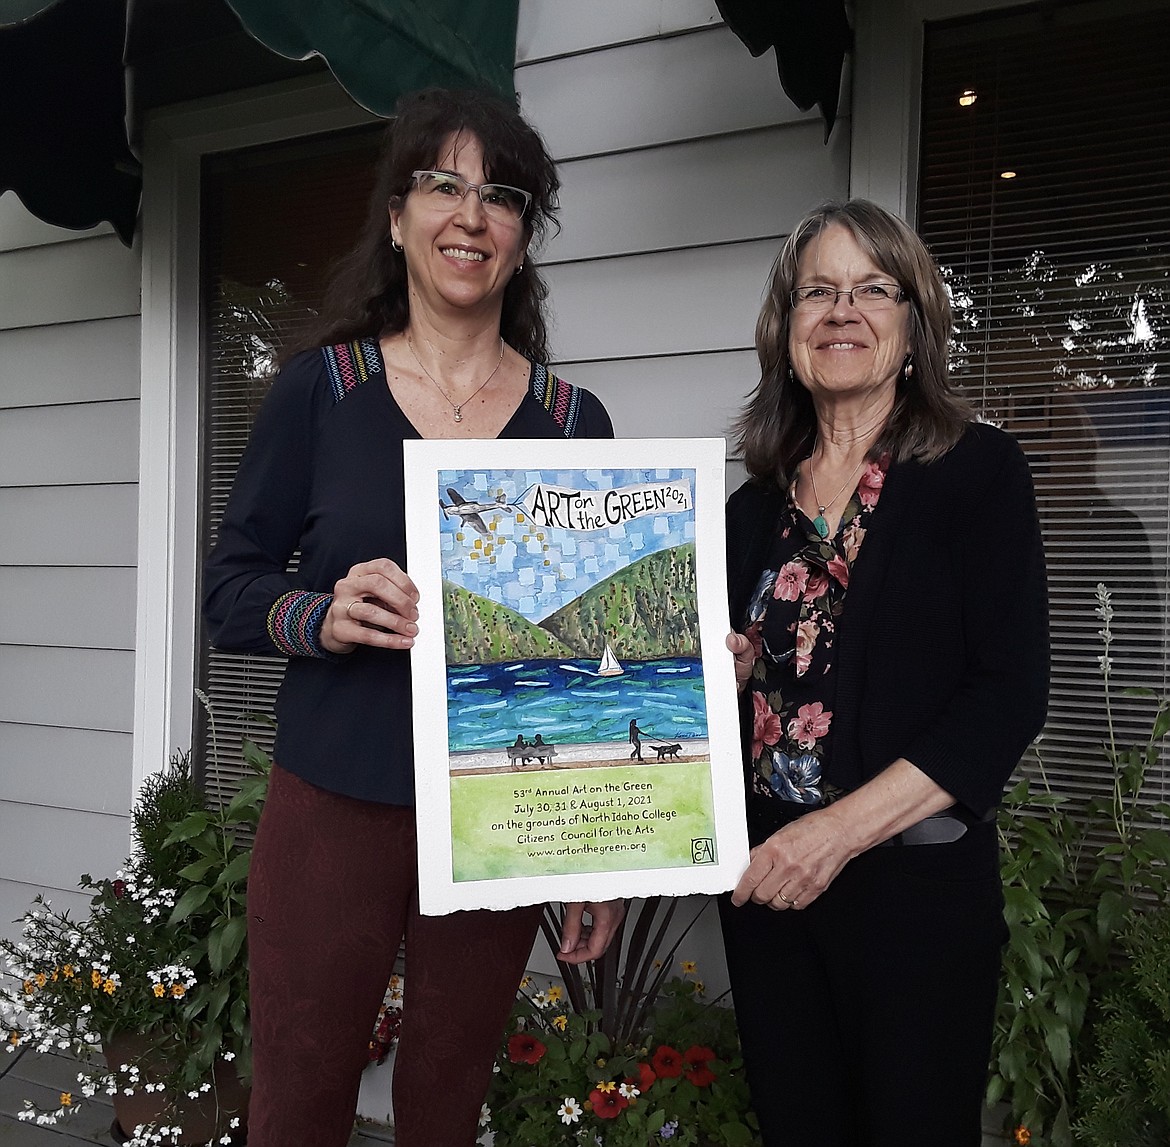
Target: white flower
{"x":485,"y":1115}
{"x":569,"y":1110}
{"x":628,"y":1091}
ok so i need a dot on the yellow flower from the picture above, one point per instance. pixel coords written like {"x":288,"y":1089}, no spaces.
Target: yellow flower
{"x":178,"y":991}
{"x":109,"y":987}
{"x":29,"y":987}
{"x":41,"y":979}
{"x":66,"y":1099}
{"x":159,"y":991}
{"x":606,"y":1085}
{"x":14,"y":1038}
{"x":560,"y":1022}
{"x":95,"y":978}
{"x":526,"y":982}
{"x":555,"y":993}
{"x":689,"y":967}
{"x":67,"y":971}
{"x":700,"y":987}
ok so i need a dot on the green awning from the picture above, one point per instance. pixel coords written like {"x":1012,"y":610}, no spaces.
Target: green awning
{"x":63,"y":141}
{"x":379,"y":49}
{"x":811,"y":38}
{"x":64,"y":138}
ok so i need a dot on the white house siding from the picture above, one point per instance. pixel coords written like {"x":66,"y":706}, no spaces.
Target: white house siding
{"x":69,"y":385}
{"x":683,"y":165}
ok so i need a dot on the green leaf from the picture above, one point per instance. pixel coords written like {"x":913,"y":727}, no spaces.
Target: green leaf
{"x":1161,"y":723}
{"x":189,"y":827}
{"x":197,"y":869}
{"x":256,"y":756}
{"x":191,"y":900}
{"x":736,"y":1134}
{"x":224,"y":942}
{"x":237,"y":869}
{"x":217,"y":999}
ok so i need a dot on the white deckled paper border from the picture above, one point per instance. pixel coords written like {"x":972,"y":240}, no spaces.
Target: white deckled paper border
{"x":438,"y":892}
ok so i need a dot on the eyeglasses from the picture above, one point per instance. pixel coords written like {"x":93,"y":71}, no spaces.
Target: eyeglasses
{"x":865,"y":297}
{"x":442,"y":191}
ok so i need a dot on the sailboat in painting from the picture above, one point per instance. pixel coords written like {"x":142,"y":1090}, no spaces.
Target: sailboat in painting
{"x":610,"y":666}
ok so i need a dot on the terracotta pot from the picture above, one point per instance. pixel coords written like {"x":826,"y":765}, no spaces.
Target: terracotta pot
{"x":202,"y":1120}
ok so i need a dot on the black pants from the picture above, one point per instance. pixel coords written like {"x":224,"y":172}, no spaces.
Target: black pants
{"x":866,"y":1018}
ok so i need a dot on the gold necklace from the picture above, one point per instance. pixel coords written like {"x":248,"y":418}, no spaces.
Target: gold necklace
{"x":457,"y":409}
{"x":820,"y":524}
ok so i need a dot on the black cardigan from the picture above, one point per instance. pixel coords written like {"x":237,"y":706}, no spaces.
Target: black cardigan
{"x":942,"y":651}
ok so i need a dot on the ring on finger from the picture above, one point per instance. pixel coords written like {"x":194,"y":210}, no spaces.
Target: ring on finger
{"x":781,"y":896}
{"x":356,"y":601}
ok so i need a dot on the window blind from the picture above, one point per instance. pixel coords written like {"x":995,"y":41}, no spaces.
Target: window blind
{"x":1046,"y":200}
{"x":273,"y":221}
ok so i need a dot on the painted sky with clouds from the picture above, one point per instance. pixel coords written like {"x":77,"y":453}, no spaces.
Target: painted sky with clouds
{"x":536,"y":570}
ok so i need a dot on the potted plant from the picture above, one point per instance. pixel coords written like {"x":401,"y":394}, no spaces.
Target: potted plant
{"x":1125,"y":1087}
{"x":155,"y":975}
{"x":1077,"y":873}
{"x":620,"y":1054}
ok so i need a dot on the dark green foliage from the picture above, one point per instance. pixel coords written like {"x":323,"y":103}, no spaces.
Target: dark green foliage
{"x":646,"y":611}
{"x":483,"y":632}
{"x":165,"y":798}
{"x":1076,"y":874}
{"x":1125,"y":1098}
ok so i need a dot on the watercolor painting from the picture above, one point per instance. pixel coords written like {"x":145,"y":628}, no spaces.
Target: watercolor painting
{"x":574,"y":667}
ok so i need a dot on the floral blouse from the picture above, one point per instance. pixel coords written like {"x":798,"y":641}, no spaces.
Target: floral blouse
{"x":791,"y":621}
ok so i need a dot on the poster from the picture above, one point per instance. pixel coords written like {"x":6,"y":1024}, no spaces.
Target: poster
{"x":576,"y":735}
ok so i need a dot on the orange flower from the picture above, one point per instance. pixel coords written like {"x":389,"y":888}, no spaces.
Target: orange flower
{"x":66,"y":1099}
{"x":1022,"y":1136}
{"x":159,"y":990}
{"x":178,"y":991}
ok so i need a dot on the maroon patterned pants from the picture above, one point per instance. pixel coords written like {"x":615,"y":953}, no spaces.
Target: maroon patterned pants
{"x":332,"y":892}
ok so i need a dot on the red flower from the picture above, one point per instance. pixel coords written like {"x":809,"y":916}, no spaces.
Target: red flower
{"x":119,"y":887}
{"x":697,"y":1058}
{"x":667,"y":1063}
{"x":525,"y":1048}
{"x":645,"y":1080}
{"x":608,"y":1104}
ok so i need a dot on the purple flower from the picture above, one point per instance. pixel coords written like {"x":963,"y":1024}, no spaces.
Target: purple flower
{"x":668,"y":1129}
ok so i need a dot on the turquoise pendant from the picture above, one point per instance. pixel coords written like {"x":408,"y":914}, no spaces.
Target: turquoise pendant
{"x":821,"y":526}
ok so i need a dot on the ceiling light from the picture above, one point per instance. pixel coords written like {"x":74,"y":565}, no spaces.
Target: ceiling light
{"x":1007,"y":175}
{"x":967,"y":97}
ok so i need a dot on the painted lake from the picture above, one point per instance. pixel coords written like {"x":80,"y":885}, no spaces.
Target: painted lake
{"x":567,"y":703}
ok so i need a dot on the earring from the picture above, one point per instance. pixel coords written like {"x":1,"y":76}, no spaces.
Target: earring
{"x":520,"y":268}
{"x":908,"y":367}
{"x":396,"y":246}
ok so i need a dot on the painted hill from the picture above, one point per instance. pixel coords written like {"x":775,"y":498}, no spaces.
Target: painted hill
{"x":647,"y":610}
{"x":481,"y":631}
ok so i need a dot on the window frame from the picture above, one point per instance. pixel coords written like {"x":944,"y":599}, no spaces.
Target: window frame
{"x":175,"y":140}
{"x":887,"y":86}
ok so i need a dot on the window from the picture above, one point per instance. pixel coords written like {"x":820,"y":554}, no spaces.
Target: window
{"x":1045,"y":196}
{"x":273,"y":220}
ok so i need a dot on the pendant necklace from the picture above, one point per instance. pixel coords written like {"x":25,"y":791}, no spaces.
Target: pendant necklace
{"x":456,"y":409}
{"x":820,"y":523}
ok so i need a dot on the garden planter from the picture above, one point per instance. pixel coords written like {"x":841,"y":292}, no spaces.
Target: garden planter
{"x":203,"y":1120}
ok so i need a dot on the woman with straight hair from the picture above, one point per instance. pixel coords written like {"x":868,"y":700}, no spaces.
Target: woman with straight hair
{"x":434,"y":327}
{"x":888,"y":591}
